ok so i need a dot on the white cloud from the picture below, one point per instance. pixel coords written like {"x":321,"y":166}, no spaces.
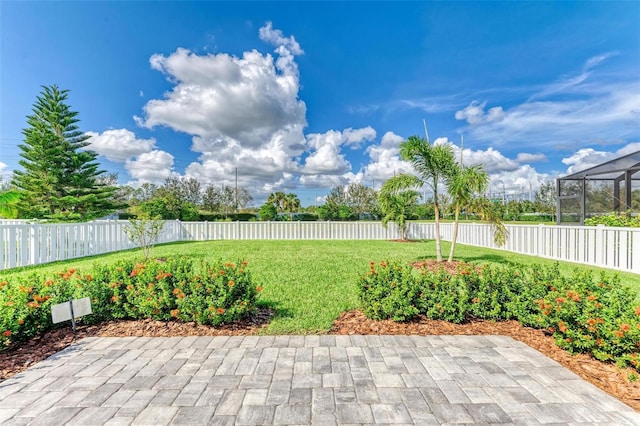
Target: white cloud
{"x":243,"y":112}
{"x":325,"y":156}
{"x":474,"y":113}
{"x":525,"y":157}
{"x":152,"y":167}
{"x":385,"y":159}
{"x":492,"y":160}
{"x":119,"y":145}
{"x":585,"y":109}
{"x":354,"y":137}
{"x":629,"y":148}
{"x":517,"y":178}
{"x":323,"y":181}
{"x":275,"y":37}
{"x":585,"y":158}
{"x":4,"y":175}
{"x":522,"y":182}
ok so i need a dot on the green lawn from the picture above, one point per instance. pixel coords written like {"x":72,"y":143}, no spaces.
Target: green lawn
{"x":309,"y":283}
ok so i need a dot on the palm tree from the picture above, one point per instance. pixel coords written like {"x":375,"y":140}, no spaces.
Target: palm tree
{"x":433,"y":164}
{"x":488,"y":212}
{"x":397,"y":200}
{"x":461,"y":186}
{"x":277,"y":199}
{"x":291,"y":203}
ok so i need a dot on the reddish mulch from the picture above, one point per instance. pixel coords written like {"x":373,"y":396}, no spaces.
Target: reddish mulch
{"x":19,"y":357}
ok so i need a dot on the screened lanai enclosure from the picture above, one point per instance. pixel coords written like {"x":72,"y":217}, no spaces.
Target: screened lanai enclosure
{"x":613,"y":186}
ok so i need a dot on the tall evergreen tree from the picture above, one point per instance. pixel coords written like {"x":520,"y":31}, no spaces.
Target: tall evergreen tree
{"x":60,"y":177}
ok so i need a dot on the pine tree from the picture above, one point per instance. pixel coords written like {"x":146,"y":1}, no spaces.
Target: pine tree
{"x":60,"y":177}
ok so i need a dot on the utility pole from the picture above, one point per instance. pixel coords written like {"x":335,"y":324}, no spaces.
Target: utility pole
{"x":236,"y":190}
{"x":504,"y":194}
{"x":425,"y":130}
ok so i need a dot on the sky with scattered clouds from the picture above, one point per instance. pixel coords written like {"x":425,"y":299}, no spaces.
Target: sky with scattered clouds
{"x":302,"y":96}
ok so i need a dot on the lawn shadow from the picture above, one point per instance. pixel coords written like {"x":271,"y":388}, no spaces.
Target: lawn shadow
{"x":489,"y":257}
{"x":275,"y":307}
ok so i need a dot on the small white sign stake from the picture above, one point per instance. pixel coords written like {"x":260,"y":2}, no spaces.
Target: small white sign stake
{"x":70,"y":311}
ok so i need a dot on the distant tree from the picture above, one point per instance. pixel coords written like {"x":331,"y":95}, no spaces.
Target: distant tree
{"x":433,"y":164}
{"x":227,"y":201}
{"x":278,"y":200}
{"x":398,"y":201}
{"x":146,"y":191}
{"x":157,"y":208}
{"x":291,"y":204}
{"x":222,"y":200}
{"x":546,"y":198}
{"x":123,"y":194}
{"x":361,"y":199}
{"x":60,"y":176}
{"x":243,"y":198}
{"x":211,"y":199}
{"x":268,"y":212}
{"x":126,"y":195}
{"x":192,"y":191}
{"x":332,"y":211}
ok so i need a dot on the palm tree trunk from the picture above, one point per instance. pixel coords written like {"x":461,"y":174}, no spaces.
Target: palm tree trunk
{"x":454,"y":238}
{"x":436,"y":209}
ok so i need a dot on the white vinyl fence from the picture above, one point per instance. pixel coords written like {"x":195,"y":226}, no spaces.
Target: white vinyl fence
{"x":31,"y":244}
{"x":35,"y":243}
{"x":608,"y":247}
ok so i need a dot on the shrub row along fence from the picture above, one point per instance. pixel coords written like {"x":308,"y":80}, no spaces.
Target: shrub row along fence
{"x":31,"y":244}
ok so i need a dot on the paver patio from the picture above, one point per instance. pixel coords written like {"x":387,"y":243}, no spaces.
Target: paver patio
{"x":304,"y":380}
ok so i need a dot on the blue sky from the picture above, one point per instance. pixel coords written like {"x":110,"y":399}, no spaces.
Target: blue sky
{"x":303,"y":96}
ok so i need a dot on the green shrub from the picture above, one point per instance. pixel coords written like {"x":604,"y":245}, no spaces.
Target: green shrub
{"x":443,"y":296}
{"x":175,"y":288}
{"x":389,"y":291}
{"x":623,"y":219}
{"x":595,"y":316}
{"x":217,"y":294}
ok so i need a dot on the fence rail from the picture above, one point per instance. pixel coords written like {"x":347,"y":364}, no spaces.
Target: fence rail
{"x":25,"y":244}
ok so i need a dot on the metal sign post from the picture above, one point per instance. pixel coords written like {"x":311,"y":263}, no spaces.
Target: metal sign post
{"x":70,"y":311}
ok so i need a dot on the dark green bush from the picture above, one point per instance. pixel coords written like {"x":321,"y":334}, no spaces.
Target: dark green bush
{"x":389,"y":291}
{"x":176,"y":288}
{"x":443,"y":296}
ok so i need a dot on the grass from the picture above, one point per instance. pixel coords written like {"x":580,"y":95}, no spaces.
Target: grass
{"x":309,"y":283}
